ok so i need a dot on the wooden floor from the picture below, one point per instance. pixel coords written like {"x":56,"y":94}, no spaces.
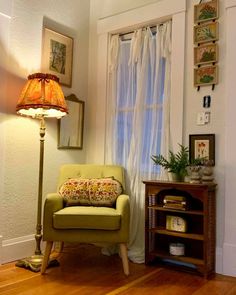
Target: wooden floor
{"x":84,"y":270}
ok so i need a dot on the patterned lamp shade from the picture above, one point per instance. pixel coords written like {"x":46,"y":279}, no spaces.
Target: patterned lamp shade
{"x":42,"y":96}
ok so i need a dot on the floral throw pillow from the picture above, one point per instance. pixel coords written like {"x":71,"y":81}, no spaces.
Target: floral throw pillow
{"x":91,"y":192}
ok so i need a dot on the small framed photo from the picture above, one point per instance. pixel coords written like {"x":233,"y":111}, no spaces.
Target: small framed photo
{"x":206,"y":32}
{"x":57,"y":55}
{"x":70,"y":127}
{"x":205,"y":76}
{"x":206,"y":11}
{"x":206,"y":54}
{"x":202,"y":146}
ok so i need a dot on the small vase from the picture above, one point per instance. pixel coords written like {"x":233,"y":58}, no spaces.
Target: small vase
{"x":178,"y":177}
{"x":207,"y":172}
{"x":195,"y":174}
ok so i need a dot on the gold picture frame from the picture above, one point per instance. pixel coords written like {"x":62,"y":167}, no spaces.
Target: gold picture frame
{"x":206,"y":53}
{"x":204,"y":76}
{"x":207,"y":32}
{"x":70,"y":127}
{"x":57,"y":55}
{"x":206,"y":11}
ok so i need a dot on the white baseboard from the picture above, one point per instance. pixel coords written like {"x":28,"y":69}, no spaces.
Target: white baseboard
{"x":17,"y":248}
{"x":229,"y":259}
{"x":219,"y":260}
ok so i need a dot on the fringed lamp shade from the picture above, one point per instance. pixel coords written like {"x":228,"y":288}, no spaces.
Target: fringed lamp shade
{"x":42,"y":96}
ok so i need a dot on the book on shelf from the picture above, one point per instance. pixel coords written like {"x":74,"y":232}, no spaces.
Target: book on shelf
{"x":175,"y":202}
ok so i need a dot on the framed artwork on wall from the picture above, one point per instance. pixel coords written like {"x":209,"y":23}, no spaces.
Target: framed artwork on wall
{"x":57,"y":55}
{"x":206,"y":53}
{"x":206,"y":76}
{"x":206,"y":11}
{"x":202,"y":146}
{"x":70,"y":127}
{"x":206,"y":33}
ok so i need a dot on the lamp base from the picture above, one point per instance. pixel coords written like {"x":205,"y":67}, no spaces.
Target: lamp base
{"x":34,"y":263}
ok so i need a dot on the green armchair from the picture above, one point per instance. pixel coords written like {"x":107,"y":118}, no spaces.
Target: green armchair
{"x":87,"y":224}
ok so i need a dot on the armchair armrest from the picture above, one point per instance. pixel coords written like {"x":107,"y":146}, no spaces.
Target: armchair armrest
{"x":53,"y":203}
{"x":123,"y":207}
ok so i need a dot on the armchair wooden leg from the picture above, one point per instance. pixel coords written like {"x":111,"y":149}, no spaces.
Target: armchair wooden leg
{"x":124,"y":257}
{"x":46,"y":256}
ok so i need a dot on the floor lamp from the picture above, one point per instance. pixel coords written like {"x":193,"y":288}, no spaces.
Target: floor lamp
{"x":41,"y":98}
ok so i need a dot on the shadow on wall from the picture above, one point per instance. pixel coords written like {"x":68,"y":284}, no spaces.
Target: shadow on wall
{"x":10,"y":84}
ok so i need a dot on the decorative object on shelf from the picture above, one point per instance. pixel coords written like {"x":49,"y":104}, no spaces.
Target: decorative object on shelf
{"x":70,"y":128}
{"x":175,"y":202}
{"x":176,"y":164}
{"x":195,"y":176}
{"x":206,"y":30}
{"x":207,"y":172}
{"x":177,"y":249}
{"x":176,"y":223}
{"x":57,"y":55}
{"x":41,"y":98}
{"x":206,"y":53}
{"x":202,"y":146}
{"x":206,"y":11}
{"x":207,"y":75}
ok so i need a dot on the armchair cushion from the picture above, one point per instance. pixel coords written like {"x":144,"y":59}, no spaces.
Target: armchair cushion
{"x":86,"y":217}
{"x":90,"y":192}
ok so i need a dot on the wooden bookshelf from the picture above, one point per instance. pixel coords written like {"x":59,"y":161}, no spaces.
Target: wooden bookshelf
{"x":198,"y":239}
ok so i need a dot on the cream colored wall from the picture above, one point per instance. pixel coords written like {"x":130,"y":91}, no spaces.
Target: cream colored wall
{"x":20,"y":136}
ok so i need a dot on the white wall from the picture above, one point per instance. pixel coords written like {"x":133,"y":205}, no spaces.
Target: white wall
{"x":20,"y":136}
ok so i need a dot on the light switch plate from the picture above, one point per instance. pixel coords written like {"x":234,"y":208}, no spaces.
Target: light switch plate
{"x":201,"y":118}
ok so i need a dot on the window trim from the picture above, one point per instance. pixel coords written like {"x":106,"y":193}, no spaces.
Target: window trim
{"x":126,"y":21}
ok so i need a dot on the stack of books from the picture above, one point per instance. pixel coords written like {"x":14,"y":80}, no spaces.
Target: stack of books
{"x":175,"y":202}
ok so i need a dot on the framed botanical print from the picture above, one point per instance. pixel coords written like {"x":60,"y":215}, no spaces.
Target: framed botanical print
{"x":206,"y":11}
{"x":57,"y":55}
{"x":206,"y":76}
{"x":206,"y":53}
{"x":206,"y":32}
{"x":202,"y":146}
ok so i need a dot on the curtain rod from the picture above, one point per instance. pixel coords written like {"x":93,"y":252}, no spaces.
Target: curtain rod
{"x":131,"y":32}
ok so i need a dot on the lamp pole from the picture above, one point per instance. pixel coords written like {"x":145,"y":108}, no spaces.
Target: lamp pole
{"x":38,"y":236}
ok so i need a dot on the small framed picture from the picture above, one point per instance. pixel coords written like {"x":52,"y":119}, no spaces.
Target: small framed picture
{"x":205,"y":76}
{"x":57,"y":55}
{"x":206,"y":11}
{"x":207,"y":53}
{"x":202,"y":146}
{"x":206,"y":32}
{"x":70,"y":127}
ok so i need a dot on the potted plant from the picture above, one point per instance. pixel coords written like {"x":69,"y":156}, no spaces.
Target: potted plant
{"x":177,"y":163}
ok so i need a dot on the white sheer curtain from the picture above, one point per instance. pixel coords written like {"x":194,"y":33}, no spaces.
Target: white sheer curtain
{"x":138,"y":116}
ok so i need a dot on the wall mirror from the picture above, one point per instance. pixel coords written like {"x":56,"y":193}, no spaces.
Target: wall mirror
{"x":70,"y":127}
